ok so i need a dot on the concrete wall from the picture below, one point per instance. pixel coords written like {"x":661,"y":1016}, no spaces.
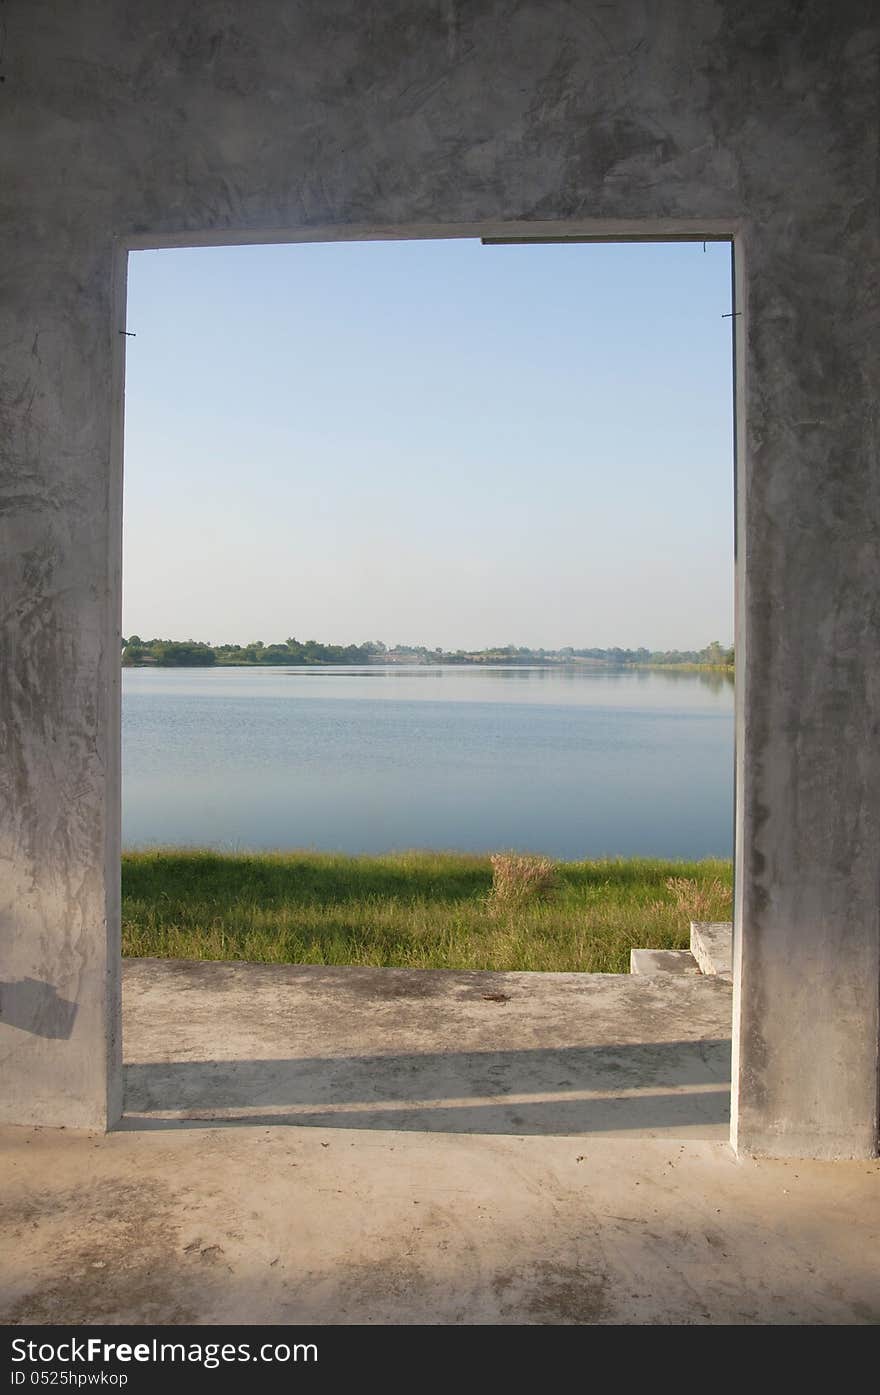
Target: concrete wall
{"x":126,"y":123}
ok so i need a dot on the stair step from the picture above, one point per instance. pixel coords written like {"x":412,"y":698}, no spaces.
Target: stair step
{"x":662,"y":961}
{"x":712,"y":947}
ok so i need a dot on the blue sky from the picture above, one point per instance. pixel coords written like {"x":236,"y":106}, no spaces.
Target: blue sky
{"x":430,"y":443}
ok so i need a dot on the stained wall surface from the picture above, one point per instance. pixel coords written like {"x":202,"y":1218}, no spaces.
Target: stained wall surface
{"x":133,"y":124}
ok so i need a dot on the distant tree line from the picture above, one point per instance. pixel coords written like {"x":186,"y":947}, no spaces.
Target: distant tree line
{"x":191,"y":653}
{"x":714,"y":655}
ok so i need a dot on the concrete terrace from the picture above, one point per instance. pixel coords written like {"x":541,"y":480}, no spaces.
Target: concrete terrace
{"x":431,"y":1050}
{"x":308,"y":1144}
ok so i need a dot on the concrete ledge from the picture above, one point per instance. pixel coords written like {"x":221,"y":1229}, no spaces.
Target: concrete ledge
{"x":662,"y":961}
{"x":427,"y":1050}
{"x":712,"y":946}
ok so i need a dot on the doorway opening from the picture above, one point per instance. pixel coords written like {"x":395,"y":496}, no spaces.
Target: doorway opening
{"x":428,"y":561}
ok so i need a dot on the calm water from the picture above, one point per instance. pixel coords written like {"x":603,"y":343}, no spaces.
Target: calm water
{"x":569,"y":762}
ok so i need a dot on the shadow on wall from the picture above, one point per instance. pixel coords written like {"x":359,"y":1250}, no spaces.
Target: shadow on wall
{"x":628,"y":1088}
{"x":31,"y":1005}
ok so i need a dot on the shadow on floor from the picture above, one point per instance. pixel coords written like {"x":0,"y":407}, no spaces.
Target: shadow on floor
{"x":652,"y":1088}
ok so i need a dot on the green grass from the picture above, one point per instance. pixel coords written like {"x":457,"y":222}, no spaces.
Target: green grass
{"x":422,"y":910}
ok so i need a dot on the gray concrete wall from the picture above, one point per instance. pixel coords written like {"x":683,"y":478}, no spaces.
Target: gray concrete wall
{"x":133,"y":124}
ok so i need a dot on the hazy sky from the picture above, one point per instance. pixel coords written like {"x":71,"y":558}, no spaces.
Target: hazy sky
{"x":430,"y":443}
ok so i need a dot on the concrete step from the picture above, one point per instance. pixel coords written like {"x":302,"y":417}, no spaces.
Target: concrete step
{"x":662,"y":961}
{"x":712,"y":947}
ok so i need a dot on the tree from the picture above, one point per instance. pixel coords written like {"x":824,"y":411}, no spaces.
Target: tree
{"x":132,"y":654}
{"x":188,"y":654}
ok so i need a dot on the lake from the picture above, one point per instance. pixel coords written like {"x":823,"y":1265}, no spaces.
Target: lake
{"x":573,"y":762}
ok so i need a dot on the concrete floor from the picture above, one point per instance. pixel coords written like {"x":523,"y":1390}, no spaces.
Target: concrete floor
{"x":474,"y":1148}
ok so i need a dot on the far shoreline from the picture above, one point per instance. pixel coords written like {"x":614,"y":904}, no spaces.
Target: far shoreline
{"x":595,"y":665}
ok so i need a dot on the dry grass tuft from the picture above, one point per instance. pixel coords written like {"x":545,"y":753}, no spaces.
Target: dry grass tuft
{"x":518,"y":879}
{"x":699,"y":900}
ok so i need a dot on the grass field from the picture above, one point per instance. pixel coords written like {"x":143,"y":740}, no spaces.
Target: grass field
{"x":421,"y":910}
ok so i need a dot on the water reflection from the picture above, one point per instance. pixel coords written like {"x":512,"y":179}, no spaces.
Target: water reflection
{"x":718,"y":680}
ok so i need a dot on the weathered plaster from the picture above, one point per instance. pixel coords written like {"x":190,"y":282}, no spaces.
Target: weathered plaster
{"x":130,"y":124}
